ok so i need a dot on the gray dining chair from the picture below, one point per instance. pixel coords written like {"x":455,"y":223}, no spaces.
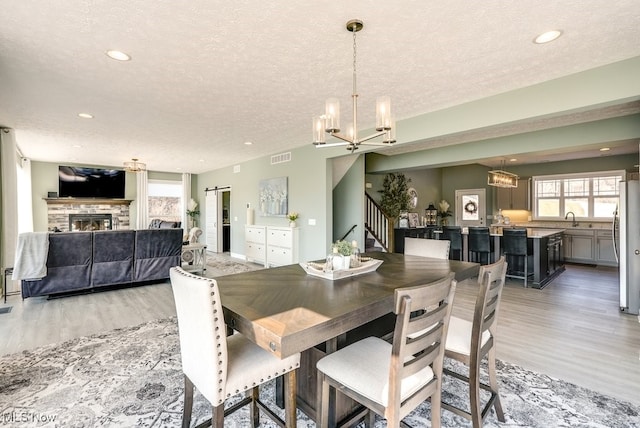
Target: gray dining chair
{"x":435,"y":248}
{"x":470,"y":341}
{"x":220,"y":366}
{"x":392,"y":379}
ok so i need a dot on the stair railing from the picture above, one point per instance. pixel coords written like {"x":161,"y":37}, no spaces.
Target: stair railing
{"x":378,"y":224}
{"x":347,"y":234}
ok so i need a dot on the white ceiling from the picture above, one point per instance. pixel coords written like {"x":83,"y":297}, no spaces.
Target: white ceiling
{"x":208,"y":75}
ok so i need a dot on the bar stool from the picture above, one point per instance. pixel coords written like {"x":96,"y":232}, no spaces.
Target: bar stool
{"x":454,"y":235}
{"x":518,"y":250}
{"x":480,"y":245}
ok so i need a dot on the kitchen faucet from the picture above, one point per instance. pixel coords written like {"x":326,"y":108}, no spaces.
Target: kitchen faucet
{"x":575,"y":223}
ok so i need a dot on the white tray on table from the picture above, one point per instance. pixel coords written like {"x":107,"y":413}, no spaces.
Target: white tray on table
{"x":317,"y":269}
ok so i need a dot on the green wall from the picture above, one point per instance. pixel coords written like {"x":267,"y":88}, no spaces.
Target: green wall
{"x":602,"y":163}
{"x":348,"y":203}
{"x":310,"y":194}
{"x":427,"y":182}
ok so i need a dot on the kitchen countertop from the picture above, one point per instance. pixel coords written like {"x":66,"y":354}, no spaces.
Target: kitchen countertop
{"x":559,"y":225}
{"x":532,"y":232}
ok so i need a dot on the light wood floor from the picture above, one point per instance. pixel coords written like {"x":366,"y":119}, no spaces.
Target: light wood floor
{"x":571,"y":330}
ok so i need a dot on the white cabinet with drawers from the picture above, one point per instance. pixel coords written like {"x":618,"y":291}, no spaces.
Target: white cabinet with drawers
{"x":255,"y":244}
{"x":271,"y":245}
{"x":282,"y":245}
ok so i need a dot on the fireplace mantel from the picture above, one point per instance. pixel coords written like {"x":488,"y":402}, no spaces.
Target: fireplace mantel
{"x":88,"y":201}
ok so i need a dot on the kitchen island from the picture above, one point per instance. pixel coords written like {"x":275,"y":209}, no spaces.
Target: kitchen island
{"x":548,"y":254}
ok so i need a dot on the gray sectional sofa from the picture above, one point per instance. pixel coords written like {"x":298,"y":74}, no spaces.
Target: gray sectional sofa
{"x":82,"y":261}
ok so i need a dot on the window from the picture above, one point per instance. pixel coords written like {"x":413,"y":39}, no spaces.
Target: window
{"x":165,"y":200}
{"x":591,"y":196}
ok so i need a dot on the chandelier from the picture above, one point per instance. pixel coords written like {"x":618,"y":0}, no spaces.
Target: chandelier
{"x":329,"y":122}
{"x":135,"y":166}
{"x":501,"y":178}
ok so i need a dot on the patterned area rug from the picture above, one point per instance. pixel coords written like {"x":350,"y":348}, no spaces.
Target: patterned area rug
{"x":221,"y":264}
{"x":132,"y":377}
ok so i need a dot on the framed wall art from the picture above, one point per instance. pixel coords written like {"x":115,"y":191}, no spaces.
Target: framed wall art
{"x":273,"y":195}
{"x":413,"y":220}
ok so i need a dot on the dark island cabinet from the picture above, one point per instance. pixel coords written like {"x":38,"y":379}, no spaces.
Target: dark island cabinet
{"x":400,"y":233}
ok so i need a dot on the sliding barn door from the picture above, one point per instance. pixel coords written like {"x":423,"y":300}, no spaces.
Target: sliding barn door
{"x":212,"y":218}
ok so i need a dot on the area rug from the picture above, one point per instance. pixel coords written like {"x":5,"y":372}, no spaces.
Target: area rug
{"x":131,"y":377}
{"x":221,"y":264}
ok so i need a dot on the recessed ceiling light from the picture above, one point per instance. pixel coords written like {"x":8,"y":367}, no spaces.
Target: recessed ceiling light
{"x":248,"y":143}
{"x":200,"y":160}
{"x":118,"y":55}
{"x":605,"y":149}
{"x":77,"y":146}
{"x":513,"y":160}
{"x":547,"y":37}
{"x":85,"y":115}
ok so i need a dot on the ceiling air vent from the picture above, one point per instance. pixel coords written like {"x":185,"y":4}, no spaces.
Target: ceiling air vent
{"x":282,"y":157}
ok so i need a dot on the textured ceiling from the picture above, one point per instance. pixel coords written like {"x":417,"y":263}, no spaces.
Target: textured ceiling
{"x":208,"y":75}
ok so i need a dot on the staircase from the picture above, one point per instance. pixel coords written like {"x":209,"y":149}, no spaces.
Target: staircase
{"x":378,"y":227}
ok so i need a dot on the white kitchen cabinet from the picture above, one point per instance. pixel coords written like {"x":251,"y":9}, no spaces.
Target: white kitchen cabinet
{"x":579,"y":246}
{"x":604,"y":248}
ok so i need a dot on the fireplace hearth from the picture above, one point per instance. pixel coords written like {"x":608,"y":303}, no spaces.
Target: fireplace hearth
{"x":90,"y":222}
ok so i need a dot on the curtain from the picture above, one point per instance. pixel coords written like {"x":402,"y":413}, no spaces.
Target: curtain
{"x":142,"y":188}
{"x":25,"y":206}
{"x":186,"y":197}
{"x":9,"y":201}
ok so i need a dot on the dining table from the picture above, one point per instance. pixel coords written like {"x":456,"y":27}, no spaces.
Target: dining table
{"x":285,"y":310}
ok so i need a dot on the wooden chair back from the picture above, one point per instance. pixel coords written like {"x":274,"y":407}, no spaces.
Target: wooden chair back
{"x":418,"y":341}
{"x":491,"y":280}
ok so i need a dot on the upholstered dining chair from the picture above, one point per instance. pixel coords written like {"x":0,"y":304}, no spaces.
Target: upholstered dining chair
{"x":518,"y":250}
{"x":479,"y":245}
{"x":221,"y":366}
{"x":436,"y":248}
{"x":392,"y":379}
{"x":469,"y":342}
{"x":454,"y":235}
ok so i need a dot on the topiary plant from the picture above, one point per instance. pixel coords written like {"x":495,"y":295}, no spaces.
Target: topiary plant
{"x":395,"y":195}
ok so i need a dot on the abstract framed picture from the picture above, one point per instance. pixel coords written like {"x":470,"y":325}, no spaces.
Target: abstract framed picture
{"x":273,"y":195}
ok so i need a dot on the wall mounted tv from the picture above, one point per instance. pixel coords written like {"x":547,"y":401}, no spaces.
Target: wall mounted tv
{"x":79,"y":182}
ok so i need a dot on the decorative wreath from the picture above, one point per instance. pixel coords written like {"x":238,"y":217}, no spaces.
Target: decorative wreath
{"x":471,"y":207}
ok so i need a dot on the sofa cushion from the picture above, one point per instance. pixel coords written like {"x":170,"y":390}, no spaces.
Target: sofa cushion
{"x":68,"y":265}
{"x":112,"y":257}
{"x":156,"y":251}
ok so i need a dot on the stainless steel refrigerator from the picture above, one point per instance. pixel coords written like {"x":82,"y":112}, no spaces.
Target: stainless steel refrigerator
{"x":626,"y":225}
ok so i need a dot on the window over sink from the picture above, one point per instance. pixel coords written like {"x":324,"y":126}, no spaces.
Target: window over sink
{"x":590,"y":196}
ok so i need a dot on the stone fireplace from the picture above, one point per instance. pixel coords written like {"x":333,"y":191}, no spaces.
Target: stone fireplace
{"x":74,"y":214}
{"x":89,"y":222}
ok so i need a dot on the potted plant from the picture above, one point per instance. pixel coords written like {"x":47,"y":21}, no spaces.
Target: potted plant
{"x":395,"y":198}
{"x":192,"y":212}
{"x":292,"y":216}
{"x":395,"y":195}
{"x":444,"y":212}
{"x":341,"y":254}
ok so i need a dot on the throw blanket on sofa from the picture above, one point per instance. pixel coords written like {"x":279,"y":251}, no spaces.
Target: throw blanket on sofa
{"x":31,"y":256}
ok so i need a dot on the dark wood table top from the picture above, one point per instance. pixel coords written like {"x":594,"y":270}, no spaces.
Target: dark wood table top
{"x":286,"y":311}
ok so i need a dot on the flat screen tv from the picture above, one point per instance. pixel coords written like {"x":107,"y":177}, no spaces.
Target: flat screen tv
{"x":78,"y":182}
